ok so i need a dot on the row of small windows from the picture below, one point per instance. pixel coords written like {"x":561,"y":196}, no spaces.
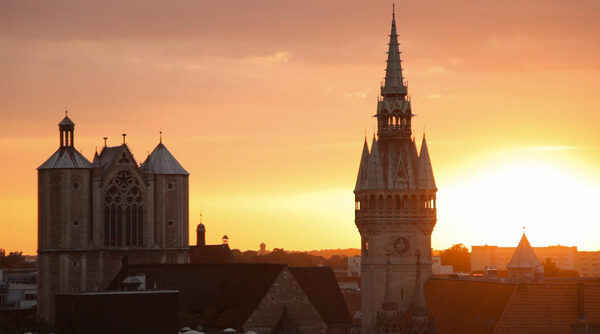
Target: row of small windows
{"x":395,"y":120}
{"x":396,"y":202}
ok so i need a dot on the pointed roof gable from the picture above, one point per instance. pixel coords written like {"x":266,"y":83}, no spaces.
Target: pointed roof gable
{"x":362,"y":169}
{"x":96,"y":161}
{"x":322,"y":289}
{"x":161,"y":161}
{"x":66,"y":157}
{"x":426,"y":179}
{"x":524,"y":256}
{"x":394,"y":82}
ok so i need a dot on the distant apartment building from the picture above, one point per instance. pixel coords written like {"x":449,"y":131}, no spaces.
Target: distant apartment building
{"x":436,"y":266}
{"x":354,"y":265}
{"x":566,"y":258}
{"x":589,"y":264}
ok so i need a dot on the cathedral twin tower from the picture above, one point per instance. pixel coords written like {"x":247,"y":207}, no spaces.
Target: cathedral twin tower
{"x":93,"y":217}
{"x":395,"y":212}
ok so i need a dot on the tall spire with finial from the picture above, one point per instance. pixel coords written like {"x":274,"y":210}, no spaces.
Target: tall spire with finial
{"x":394,"y":81}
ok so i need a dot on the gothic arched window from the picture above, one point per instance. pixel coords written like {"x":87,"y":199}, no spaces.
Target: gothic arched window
{"x":123,"y":211}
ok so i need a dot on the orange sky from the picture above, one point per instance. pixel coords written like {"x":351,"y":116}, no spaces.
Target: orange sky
{"x":266,"y":104}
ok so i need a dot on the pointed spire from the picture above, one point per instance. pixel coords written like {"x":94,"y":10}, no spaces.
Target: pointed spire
{"x":361,"y":180}
{"x":524,"y":256}
{"x":394,"y":81}
{"x":426,"y":179}
{"x":375,"y":168}
{"x":96,"y":160}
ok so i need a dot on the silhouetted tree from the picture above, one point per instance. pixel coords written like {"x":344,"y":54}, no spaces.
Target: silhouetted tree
{"x":12,"y":260}
{"x":550,"y":268}
{"x":457,"y":256}
{"x":293,"y":259}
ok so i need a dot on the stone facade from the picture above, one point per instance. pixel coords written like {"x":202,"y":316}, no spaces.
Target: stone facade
{"x":94,"y":217}
{"x":395,"y":212}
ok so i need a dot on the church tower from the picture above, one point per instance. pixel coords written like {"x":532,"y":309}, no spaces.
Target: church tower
{"x":94,"y":217}
{"x":64,"y":220}
{"x":395,"y":212}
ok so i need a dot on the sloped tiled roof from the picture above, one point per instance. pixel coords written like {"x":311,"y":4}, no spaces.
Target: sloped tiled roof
{"x":161,"y":161}
{"x":353,"y":301}
{"x":224,"y":295}
{"x":540,"y":308}
{"x":322,"y":289}
{"x":465,"y":307}
{"x":461,"y":306}
{"x":66,"y":157}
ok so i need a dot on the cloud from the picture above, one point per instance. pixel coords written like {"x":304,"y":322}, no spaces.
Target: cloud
{"x":277,"y":57}
{"x":357,"y":95}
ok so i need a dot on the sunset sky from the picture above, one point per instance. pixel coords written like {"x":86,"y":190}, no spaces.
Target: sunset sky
{"x":266,"y":103}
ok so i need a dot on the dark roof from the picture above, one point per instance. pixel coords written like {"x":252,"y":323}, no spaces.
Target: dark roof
{"x":353,"y":301}
{"x":108,"y":155}
{"x":485,"y":306}
{"x":226,"y":294}
{"x":322,"y":289}
{"x":66,"y":157}
{"x":466,"y":306}
{"x":66,"y":121}
{"x":210,"y":254}
{"x":162,"y":162}
{"x":223,"y":295}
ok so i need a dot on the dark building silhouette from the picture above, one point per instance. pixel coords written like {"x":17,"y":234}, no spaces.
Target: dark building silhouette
{"x":203,"y":253}
{"x":265,"y":298}
{"x":95,"y":216}
{"x":124,"y":312}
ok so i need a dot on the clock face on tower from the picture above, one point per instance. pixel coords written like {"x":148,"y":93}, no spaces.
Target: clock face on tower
{"x":400,"y":245}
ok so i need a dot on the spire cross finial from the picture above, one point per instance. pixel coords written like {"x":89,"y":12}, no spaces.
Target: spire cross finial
{"x":393,"y":11}
{"x":66,"y":108}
